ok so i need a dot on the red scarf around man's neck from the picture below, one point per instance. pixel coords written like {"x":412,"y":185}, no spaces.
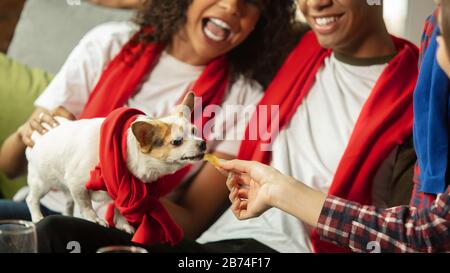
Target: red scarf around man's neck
{"x":138,"y":202}
{"x":385,"y":121}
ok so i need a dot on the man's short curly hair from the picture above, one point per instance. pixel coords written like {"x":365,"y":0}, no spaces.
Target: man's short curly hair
{"x":258,"y":57}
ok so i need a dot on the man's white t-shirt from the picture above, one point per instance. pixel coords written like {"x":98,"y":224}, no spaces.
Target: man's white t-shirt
{"x":310,"y":149}
{"x":157,"y":97}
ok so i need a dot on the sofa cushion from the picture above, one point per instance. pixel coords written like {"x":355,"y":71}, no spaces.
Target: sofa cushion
{"x":48,"y":30}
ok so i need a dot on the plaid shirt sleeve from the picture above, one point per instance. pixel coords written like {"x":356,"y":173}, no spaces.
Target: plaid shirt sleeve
{"x":401,"y":229}
{"x":420,"y":199}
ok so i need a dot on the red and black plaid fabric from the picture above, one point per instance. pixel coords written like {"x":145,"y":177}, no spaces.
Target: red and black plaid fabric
{"x":419,"y":199}
{"x":401,"y":229}
{"x":430,"y":25}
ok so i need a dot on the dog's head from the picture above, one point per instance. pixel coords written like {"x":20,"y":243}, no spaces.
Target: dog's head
{"x":171,"y":141}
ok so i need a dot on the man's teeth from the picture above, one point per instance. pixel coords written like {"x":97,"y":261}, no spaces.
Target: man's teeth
{"x":323,"y":21}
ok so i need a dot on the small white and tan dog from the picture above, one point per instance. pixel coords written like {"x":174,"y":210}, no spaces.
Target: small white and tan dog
{"x":63,"y":158}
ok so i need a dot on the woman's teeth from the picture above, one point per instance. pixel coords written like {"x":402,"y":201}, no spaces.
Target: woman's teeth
{"x":217,"y":30}
{"x":323,"y":21}
{"x":220,"y":23}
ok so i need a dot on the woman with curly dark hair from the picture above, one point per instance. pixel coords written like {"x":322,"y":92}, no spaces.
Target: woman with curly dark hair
{"x":257,"y":57}
{"x":219,"y":48}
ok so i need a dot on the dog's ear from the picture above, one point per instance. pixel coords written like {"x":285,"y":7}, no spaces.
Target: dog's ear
{"x":146,"y":134}
{"x":187,"y":106}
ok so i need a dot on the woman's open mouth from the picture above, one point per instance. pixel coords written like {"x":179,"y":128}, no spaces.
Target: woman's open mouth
{"x":216,"y":29}
{"x":326,"y":24}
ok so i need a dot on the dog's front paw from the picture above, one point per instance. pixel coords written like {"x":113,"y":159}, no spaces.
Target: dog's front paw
{"x":37,"y":219}
{"x":126,"y":228}
{"x":101,"y":222}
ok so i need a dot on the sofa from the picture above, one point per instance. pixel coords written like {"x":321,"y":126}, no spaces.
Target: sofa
{"x":45,"y":34}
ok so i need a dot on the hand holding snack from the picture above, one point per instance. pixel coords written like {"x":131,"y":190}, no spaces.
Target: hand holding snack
{"x":254,"y":187}
{"x":216,"y":162}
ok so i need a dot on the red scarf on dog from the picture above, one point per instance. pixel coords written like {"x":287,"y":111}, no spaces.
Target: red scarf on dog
{"x":385,"y":121}
{"x":138,"y":202}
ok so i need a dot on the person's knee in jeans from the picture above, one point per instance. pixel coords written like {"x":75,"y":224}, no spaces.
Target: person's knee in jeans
{"x":19,"y":210}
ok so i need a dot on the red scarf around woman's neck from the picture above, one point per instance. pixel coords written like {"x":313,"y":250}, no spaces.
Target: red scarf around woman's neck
{"x":138,"y":202}
{"x":385,"y":121}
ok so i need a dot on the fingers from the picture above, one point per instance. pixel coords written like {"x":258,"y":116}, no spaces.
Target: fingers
{"x":237,"y":180}
{"x":233,"y":195}
{"x":222,"y":171}
{"x":239,"y":193}
{"x":255,"y":170}
{"x":28,"y":141}
{"x":35,"y":125}
{"x":43,"y":122}
{"x":239,"y":202}
{"x":237,"y":165}
{"x":40,"y":122}
{"x":235,"y":205}
{"x":243,"y":204}
{"x":49,"y":119}
{"x":231,"y":181}
{"x":239,"y":208}
{"x":24,"y":133}
{"x":63,"y":112}
{"x":242,"y":193}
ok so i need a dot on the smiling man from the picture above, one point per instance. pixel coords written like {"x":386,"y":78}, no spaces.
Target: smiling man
{"x":350,"y":27}
{"x":345,"y":96}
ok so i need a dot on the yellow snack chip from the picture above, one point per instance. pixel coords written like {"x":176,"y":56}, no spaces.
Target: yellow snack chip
{"x":214,"y":160}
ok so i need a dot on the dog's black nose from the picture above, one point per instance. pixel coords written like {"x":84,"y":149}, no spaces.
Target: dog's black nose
{"x":202,"y":146}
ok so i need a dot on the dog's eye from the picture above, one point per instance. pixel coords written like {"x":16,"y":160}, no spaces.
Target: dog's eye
{"x":177,"y":142}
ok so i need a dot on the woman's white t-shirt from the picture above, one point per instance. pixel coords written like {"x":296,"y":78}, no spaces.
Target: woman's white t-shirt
{"x":157,"y":97}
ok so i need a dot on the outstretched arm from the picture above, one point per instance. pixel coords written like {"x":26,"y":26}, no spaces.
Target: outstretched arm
{"x":256,"y":187}
{"x":400,"y":229}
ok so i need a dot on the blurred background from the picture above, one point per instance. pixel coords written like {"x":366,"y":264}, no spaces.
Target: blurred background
{"x":9,"y":15}
{"x":404,"y":17}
